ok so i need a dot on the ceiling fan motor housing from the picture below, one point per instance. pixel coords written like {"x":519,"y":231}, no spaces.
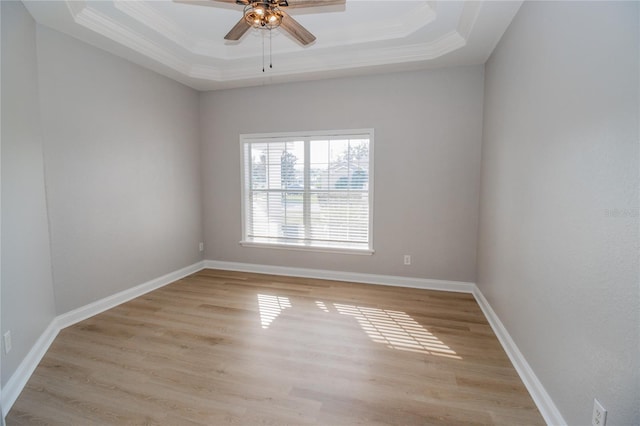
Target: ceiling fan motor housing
{"x":279,"y":3}
{"x":263,"y":14}
{"x":267,"y":14}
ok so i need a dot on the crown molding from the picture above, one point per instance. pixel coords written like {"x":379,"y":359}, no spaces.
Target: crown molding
{"x":152,"y":19}
{"x":164,"y":37}
{"x":333,"y":61}
{"x":468,"y":18}
{"x":386,"y":29}
{"x":341,"y":58}
{"x":107,"y":27}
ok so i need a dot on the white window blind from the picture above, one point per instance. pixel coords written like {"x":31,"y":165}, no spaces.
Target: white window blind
{"x":309,"y":190}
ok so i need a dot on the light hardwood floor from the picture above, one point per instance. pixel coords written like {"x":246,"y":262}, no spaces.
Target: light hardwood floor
{"x":221,"y":347}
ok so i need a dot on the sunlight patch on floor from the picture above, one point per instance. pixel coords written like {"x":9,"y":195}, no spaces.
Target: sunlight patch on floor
{"x":270,"y":307}
{"x":397,"y":330}
{"x":322,"y":306}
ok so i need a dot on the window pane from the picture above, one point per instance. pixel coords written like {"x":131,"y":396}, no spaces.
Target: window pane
{"x":325,"y":206}
{"x":259,"y":152}
{"x":340,"y":216}
{"x":319,"y":162}
{"x":267,"y":213}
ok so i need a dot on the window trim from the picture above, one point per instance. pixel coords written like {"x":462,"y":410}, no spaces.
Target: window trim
{"x":290,"y":136}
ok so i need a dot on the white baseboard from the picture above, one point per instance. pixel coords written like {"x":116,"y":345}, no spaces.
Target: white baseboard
{"x":28,"y":365}
{"x":538,"y":393}
{"x":540,"y":396}
{"x":87,"y":311}
{"x":19,"y":378}
{"x":356,"y":277}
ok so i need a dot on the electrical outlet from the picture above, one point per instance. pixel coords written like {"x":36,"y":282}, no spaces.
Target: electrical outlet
{"x":407,"y":259}
{"x":7,"y":342}
{"x":599,"y":416}
{"x":201,"y":247}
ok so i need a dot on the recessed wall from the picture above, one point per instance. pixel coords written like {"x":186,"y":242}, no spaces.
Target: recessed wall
{"x":428,"y":128}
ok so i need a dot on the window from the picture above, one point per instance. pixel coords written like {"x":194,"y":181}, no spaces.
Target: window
{"x":310,"y":190}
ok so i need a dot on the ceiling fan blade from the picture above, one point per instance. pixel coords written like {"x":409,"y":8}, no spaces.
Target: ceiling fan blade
{"x":294,"y":28}
{"x":200,"y":2}
{"x":313,"y":3}
{"x":238,"y":30}
{"x":243,"y":2}
{"x":211,"y":2}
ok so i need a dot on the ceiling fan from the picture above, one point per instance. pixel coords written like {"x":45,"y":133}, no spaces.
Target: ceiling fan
{"x":269,"y":14}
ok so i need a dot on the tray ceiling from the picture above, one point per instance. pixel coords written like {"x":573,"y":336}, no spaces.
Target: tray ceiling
{"x":185,"y":40}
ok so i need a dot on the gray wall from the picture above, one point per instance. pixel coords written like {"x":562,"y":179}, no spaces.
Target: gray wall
{"x":428,"y":128}
{"x":558,"y":218}
{"x":122,"y":169}
{"x":27,"y":290}
{"x":557,"y":262}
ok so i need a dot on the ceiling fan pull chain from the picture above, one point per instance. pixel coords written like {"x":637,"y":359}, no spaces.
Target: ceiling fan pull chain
{"x":270,"y":55}
{"x":263,"y":51}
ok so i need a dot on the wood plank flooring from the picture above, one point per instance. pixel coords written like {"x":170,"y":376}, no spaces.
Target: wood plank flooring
{"x":226,"y":348}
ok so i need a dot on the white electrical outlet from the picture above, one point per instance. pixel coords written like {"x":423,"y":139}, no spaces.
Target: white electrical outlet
{"x":599,"y":417}
{"x":201,"y":247}
{"x":407,"y":259}
{"x":7,"y":342}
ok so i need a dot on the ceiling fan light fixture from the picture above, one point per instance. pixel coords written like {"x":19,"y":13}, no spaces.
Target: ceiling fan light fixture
{"x":263,"y":15}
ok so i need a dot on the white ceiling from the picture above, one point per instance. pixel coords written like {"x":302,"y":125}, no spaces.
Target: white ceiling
{"x":186,"y":41}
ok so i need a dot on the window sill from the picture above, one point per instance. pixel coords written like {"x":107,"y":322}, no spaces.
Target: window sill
{"x":335,"y":250}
